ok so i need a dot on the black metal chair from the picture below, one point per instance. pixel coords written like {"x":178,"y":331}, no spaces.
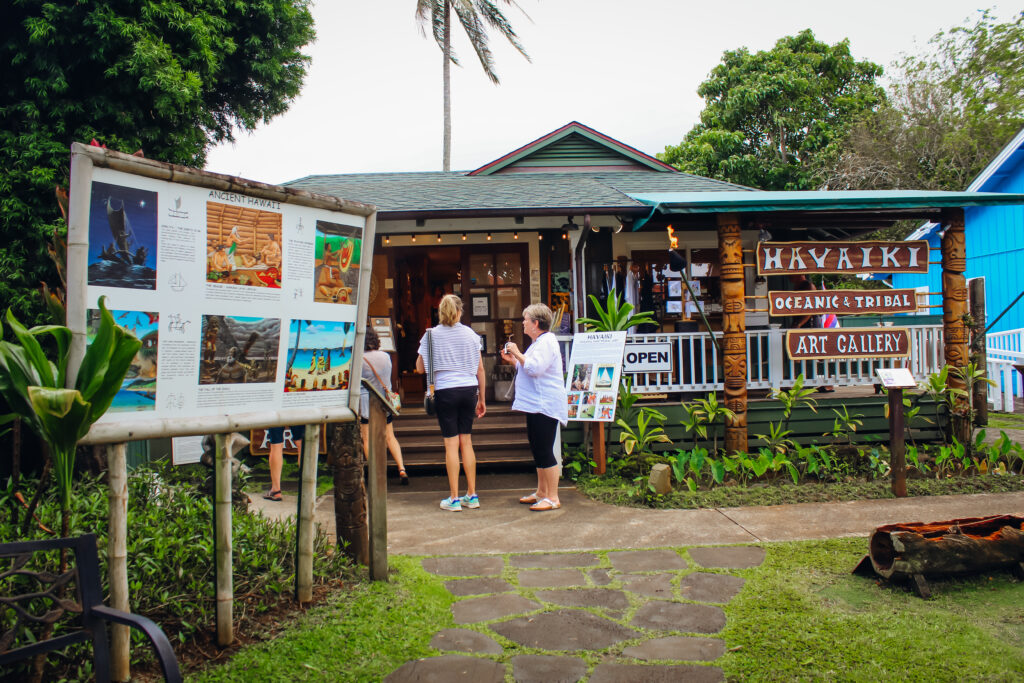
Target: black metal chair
{"x":85,"y":573}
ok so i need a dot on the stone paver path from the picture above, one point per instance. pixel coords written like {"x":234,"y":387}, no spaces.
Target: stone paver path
{"x":646,"y":616}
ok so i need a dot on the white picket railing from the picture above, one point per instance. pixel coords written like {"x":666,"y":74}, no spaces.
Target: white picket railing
{"x":696,"y":367}
{"x":1004,"y":350}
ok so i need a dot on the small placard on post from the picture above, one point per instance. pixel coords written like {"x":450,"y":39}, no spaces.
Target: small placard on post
{"x":896,"y":378}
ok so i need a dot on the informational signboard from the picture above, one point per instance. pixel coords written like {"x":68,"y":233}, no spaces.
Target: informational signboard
{"x":595,"y":366}
{"x":850,"y":342}
{"x":648,"y":357}
{"x":186,"y":450}
{"x":791,"y":258}
{"x":244,"y":295}
{"x":842,"y":302}
{"x":382,"y":326}
{"x":896,"y":378}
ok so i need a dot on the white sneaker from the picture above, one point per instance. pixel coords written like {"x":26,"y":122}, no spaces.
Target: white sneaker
{"x":453,"y":504}
{"x":472,"y":502}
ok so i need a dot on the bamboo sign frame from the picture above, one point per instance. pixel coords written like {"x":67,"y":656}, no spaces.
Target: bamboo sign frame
{"x":806,"y":258}
{"x":161,"y":224}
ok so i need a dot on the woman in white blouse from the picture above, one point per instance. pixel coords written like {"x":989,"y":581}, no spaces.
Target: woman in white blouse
{"x":540,"y":393}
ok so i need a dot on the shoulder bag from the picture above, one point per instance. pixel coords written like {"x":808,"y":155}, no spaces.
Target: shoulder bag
{"x":392,"y":397}
{"x":428,"y":399}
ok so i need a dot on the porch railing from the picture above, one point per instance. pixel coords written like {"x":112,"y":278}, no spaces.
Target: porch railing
{"x":1004,"y":350}
{"x":696,"y":368}
{"x":696,"y":365}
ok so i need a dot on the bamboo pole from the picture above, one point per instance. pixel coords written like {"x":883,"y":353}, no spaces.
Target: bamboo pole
{"x":117,"y":557}
{"x":222,"y":540}
{"x":307,"y":509}
{"x":378,"y":491}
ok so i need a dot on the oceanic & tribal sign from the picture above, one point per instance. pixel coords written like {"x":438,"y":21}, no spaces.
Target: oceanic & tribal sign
{"x":842,"y":302}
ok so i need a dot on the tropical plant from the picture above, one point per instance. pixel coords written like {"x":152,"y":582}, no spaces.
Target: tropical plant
{"x":695,"y":422}
{"x":638,"y":441}
{"x":844,"y":425}
{"x":795,"y":396}
{"x":712,"y":411}
{"x":777,"y":439}
{"x":475,"y":16}
{"x":963,"y":411}
{"x":34,"y":388}
{"x":614,"y":316}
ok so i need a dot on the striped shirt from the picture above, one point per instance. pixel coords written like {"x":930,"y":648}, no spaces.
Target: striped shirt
{"x":456,"y":356}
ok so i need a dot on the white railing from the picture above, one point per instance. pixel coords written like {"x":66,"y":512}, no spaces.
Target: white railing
{"x":696,"y":367}
{"x":1004,"y":350}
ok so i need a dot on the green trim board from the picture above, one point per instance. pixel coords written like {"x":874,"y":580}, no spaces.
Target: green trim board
{"x":818,"y":200}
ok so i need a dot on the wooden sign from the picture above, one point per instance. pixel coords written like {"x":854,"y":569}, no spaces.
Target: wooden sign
{"x":842,"y":301}
{"x":790,"y":258}
{"x":850,"y":342}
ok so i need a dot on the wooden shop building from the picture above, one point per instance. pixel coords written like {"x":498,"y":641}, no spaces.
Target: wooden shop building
{"x":576,"y":213}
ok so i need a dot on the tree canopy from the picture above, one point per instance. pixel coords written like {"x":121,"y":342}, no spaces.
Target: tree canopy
{"x":768,"y":114}
{"x":950,"y":111}
{"x":168,"y":77}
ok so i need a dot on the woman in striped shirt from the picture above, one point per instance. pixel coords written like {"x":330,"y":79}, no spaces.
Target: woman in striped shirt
{"x":458,"y":394}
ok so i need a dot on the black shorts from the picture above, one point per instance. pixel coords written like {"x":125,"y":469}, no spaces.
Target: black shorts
{"x":540,"y":431}
{"x":366,"y":420}
{"x":456,"y":410}
{"x":276,"y":434}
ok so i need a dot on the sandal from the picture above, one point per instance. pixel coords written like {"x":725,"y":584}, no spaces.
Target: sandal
{"x":403,"y":478}
{"x":529,"y":500}
{"x":273,"y":495}
{"x":545,"y":504}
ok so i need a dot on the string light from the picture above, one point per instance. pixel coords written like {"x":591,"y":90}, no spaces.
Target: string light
{"x":387,"y":239}
{"x":438,"y":237}
{"x":515,"y":235}
{"x":488,"y":237}
{"x":565,"y":234}
{"x":540,"y":236}
{"x":463,"y":237}
{"x":414,"y":238}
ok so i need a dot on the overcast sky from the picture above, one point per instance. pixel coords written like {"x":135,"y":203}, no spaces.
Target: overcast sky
{"x":372,"y":97}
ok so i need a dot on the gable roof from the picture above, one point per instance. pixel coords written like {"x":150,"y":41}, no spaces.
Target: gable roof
{"x":574,"y":146}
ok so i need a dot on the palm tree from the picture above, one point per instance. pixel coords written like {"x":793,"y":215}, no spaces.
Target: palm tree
{"x":475,"y":16}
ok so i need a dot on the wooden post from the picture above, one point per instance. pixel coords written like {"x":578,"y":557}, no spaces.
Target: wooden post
{"x":954,"y":307}
{"x":734,"y":347}
{"x":347,"y":459}
{"x":978,"y":353}
{"x":378,"y":491}
{"x":600,"y":457}
{"x":307,"y":512}
{"x":222,"y":540}
{"x":117,"y":557}
{"x":897,"y":443}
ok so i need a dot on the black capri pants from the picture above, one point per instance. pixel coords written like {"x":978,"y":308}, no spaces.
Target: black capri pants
{"x":540,"y":430}
{"x":456,"y":410}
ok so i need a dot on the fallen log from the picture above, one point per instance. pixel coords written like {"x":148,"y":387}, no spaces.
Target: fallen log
{"x":917,"y":551}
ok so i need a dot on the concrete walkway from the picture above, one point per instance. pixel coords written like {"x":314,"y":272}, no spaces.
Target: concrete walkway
{"x":417,"y":526}
{"x":598,"y":593}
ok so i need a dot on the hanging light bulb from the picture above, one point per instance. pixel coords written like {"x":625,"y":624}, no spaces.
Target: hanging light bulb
{"x":387,"y":239}
{"x":414,"y":238}
{"x":488,"y":237}
{"x":540,"y":236}
{"x":515,"y":235}
{"x":438,"y":237}
{"x":565,"y":234}
{"x":463,"y":237}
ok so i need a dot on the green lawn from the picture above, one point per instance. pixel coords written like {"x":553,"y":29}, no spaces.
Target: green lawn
{"x":800,"y":616}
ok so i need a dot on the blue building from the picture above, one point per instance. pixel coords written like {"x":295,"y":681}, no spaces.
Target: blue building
{"x":994,"y":241}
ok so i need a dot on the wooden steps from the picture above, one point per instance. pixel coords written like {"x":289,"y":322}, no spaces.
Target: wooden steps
{"x":499,"y":438}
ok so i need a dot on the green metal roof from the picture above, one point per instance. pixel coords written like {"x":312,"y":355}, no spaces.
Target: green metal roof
{"x":839,"y":200}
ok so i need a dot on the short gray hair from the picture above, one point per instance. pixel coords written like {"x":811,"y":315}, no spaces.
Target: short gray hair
{"x":540,"y":314}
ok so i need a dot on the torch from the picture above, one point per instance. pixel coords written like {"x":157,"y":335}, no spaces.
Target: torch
{"x":678,"y":263}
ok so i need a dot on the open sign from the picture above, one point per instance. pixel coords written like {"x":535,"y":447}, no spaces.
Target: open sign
{"x":648,"y":358}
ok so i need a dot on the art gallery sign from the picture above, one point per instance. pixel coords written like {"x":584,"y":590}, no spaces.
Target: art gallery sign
{"x":864,"y":342}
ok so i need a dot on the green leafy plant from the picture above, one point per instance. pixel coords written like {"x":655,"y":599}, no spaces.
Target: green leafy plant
{"x":712,"y":412}
{"x":614,"y":316}
{"x":962,"y":410}
{"x":34,"y":387}
{"x":777,"y":439}
{"x":793,"y":397}
{"x":844,"y":425}
{"x":638,"y":441}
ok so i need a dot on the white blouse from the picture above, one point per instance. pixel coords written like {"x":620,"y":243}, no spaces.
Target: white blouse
{"x":540,"y":385}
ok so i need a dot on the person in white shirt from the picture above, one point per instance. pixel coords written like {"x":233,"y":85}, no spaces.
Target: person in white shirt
{"x":540,"y":393}
{"x":377,"y":371}
{"x":458,"y":394}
